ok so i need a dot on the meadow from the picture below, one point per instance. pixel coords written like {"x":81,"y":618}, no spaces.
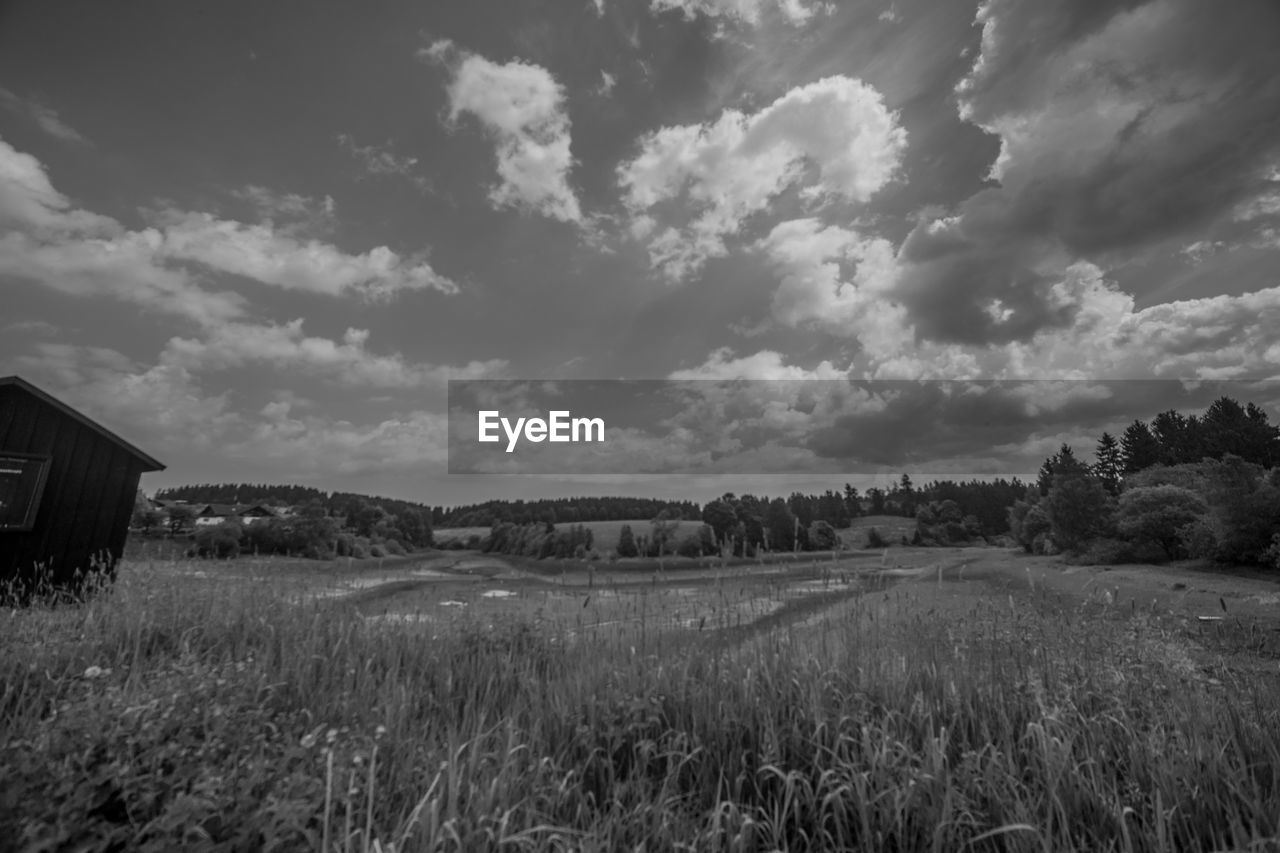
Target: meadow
{"x":948,"y":700}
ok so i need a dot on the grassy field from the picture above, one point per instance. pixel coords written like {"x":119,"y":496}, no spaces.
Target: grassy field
{"x":606,"y":533}
{"x":956,"y":700}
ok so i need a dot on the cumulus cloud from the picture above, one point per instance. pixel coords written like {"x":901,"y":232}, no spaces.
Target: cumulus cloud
{"x":733,"y":167}
{"x":748,"y":11}
{"x":830,"y":276}
{"x":522,"y":108}
{"x":1122,"y":127}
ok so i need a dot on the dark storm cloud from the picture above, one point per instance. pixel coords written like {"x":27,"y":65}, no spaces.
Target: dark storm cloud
{"x":1124,"y":125}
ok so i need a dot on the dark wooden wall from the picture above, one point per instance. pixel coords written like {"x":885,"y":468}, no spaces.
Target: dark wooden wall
{"x":88,"y":497}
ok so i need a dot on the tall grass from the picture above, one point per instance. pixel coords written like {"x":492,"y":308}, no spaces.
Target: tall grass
{"x":184,"y":713}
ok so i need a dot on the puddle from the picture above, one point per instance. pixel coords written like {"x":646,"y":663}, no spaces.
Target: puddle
{"x":498,"y":593}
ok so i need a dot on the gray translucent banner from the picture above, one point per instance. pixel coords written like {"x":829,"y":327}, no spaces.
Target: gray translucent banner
{"x":981,"y":428}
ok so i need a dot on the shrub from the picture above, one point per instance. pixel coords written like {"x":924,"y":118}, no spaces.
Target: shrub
{"x":690,"y":546}
{"x":875,"y":539}
{"x":823,"y":537}
{"x":378,"y":550}
{"x":221,"y":540}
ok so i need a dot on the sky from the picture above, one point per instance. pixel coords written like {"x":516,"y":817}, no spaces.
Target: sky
{"x":258,"y":239}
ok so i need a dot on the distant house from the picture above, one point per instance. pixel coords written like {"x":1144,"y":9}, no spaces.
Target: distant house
{"x":211,"y":514}
{"x":67,"y":491}
{"x":251,"y":513}
{"x":246,"y":514}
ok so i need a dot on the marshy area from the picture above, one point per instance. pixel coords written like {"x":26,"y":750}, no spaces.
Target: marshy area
{"x":972,"y":699}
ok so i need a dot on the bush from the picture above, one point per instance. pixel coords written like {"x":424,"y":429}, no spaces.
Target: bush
{"x":823,"y":537}
{"x":690,"y":546}
{"x":875,"y":539}
{"x":378,"y":550}
{"x":221,"y":540}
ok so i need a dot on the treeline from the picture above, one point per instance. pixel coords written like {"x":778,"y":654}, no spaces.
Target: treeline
{"x":1180,"y":486}
{"x":339,"y":504}
{"x":539,"y":540}
{"x":243,"y":493}
{"x":985,"y":500}
{"x":560,"y":511}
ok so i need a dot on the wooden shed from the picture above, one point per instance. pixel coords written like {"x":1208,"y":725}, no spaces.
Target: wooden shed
{"x":67,"y":490}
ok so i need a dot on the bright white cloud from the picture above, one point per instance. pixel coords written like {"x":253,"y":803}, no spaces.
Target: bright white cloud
{"x":734,"y":167}
{"x":829,"y":275}
{"x":523,"y":108}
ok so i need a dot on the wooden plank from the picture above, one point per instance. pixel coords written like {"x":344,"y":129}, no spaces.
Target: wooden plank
{"x":67,"y":541}
{"x":105,"y":505}
{"x":124,"y":512}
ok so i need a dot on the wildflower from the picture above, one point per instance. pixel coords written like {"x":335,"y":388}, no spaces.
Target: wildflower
{"x":96,"y":672}
{"x":379,"y":732}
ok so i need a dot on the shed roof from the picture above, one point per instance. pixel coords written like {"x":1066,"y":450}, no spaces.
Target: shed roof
{"x":149,"y":462}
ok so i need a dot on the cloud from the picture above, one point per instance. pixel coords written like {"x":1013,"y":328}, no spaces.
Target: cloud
{"x":830,"y":276}
{"x":1123,"y":127}
{"x":46,"y":118}
{"x":314,"y":445}
{"x":766,"y":364}
{"x":161,"y":404}
{"x":270,"y":256}
{"x":29,"y":201}
{"x":285,"y":345}
{"x":381,"y":160}
{"x":293,"y":213}
{"x":124,"y":268}
{"x":607,"y":82}
{"x":522,"y":108}
{"x":73,"y":251}
{"x":747,"y":11}
{"x":734,"y":167}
